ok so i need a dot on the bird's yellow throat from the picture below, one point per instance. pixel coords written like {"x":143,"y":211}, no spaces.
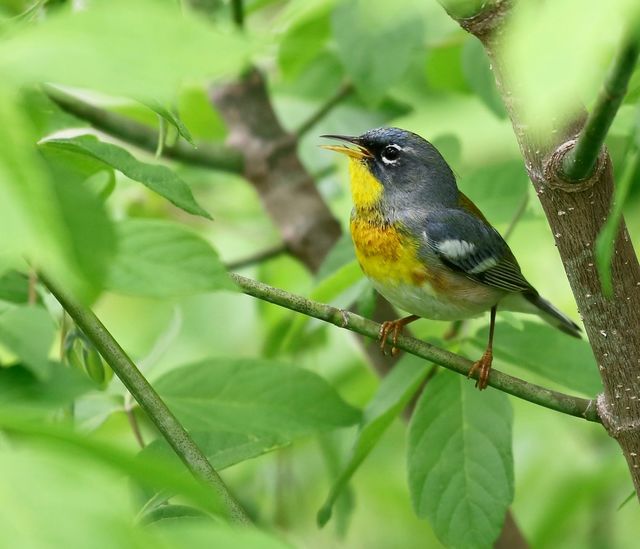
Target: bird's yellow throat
{"x":366,"y":190}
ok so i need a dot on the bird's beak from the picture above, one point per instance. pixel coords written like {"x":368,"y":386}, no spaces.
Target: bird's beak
{"x":359,"y":152}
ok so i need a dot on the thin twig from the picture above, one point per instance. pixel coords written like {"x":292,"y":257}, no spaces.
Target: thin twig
{"x":172,"y":430}
{"x":579,"y":162}
{"x":32,"y":295}
{"x":258,"y":257}
{"x":517,"y":216}
{"x":344,"y":91}
{"x":237,"y":9}
{"x":210,"y":155}
{"x":567,"y":404}
{"x":135,"y":428}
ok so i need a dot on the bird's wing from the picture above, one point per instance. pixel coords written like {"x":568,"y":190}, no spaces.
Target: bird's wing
{"x":469,"y":245}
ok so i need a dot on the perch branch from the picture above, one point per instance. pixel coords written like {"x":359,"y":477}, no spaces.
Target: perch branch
{"x":567,"y":404}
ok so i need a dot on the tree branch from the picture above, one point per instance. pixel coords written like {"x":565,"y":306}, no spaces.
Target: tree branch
{"x":208,"y":155}
{"x":579,"y":162}
{"x":259,"y":257}
{"x":575,"y":212}
{"x":172,"y":430}
{"x":574,"y":406}
{"x":344,"y":91}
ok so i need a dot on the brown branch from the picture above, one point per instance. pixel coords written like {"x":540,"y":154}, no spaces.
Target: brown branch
{"x":575,"y":212}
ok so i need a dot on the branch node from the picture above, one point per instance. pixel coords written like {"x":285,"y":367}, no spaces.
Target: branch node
{"x":554,"y":175}
{"x":484,"y":23}
{"x":611,"y":422}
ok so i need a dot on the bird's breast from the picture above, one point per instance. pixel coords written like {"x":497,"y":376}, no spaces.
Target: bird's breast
{"x":385,"y":253}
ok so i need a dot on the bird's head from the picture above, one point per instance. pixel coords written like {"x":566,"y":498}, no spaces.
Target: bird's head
{"x":397,"y":167}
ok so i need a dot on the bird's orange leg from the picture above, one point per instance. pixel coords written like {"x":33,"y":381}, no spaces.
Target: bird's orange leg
{"x":395,"y":327}
{"x":483,"y":366}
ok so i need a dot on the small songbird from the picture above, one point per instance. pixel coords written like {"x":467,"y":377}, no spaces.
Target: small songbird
{"x":425,"y":246}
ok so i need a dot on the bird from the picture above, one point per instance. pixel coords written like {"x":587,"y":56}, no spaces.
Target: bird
{"x":425,"y":246}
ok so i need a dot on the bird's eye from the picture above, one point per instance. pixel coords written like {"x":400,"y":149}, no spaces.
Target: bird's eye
{"x":390,"y":154}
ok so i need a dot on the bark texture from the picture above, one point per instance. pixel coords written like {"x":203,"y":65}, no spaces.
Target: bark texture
{"x":576,"y":212}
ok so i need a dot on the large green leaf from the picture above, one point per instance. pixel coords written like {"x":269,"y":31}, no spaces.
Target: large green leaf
{"x":14,"y":287}
{"x":159,"y":179}
{"x":21,"y":390}
{"x":459,"y":460}
{"x":168,"y":48}
{"x":546,"y":351}
{"x":304,"y":39}
{"x":223,"y":448}
{"x":376,"y":41}
{"x":395,"y":391}
{"x":46,"y":216}
{"x":254,"y":397}
{"x":162,"y":259}
{"x":28,"y":332}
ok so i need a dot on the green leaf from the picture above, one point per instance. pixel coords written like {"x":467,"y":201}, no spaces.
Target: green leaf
{"x":340,"y":254}
{"x":304,"y":40}
{"x":21,"y":390}
{"x":14,"y":287}
{"x":254,"y":397}
{"x":46,"y":217}
{"x":546,"y":351}
{"x":162,"y":259}
{"x":168,"y":48}
{"x":459,"y":460}
{"x":477,"y":71}
{"x":497,"y":189}
{"x":335,"y":286}
{"x":159,"y":179}
{"x":376,"y":41}
{"x":148,"y":471}
{"x":172,"y":118}
{"x":606,"y":240}
{"x":394,"y":393}
{"x":223,"y":448}
{"x":28,"y":332}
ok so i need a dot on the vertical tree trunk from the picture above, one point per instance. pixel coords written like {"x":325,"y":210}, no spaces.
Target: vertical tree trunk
{"x":576,"y":213}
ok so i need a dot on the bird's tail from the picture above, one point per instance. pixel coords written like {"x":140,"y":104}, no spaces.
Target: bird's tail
{"x":552,"y":315}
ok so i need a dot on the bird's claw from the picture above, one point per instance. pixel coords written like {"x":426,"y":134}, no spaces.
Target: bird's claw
{"x":387,"y":327}
{"x":483,"y":367}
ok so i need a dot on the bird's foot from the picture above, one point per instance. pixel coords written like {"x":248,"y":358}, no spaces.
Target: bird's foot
{"x":395,"y":328}
{"x":483,"y":367}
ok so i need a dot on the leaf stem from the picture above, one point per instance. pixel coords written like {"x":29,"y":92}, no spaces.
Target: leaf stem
{"x":578,"y":164}
{"x":567,"y":404}
{"x":210,"y":155}
{"x":172,"y":430}
{"x":344,"y":91}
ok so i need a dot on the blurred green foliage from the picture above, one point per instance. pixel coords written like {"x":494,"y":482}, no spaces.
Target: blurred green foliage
{"x":272,"y":398}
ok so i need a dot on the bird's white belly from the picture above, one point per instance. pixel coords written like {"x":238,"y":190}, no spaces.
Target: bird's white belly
{"x":424,"y":302}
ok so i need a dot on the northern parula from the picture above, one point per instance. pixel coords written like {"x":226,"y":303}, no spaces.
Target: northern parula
{"x":425,"y":246}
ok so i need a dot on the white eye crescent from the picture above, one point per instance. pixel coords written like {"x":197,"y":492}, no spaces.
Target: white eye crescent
{"x":390,"y":154}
